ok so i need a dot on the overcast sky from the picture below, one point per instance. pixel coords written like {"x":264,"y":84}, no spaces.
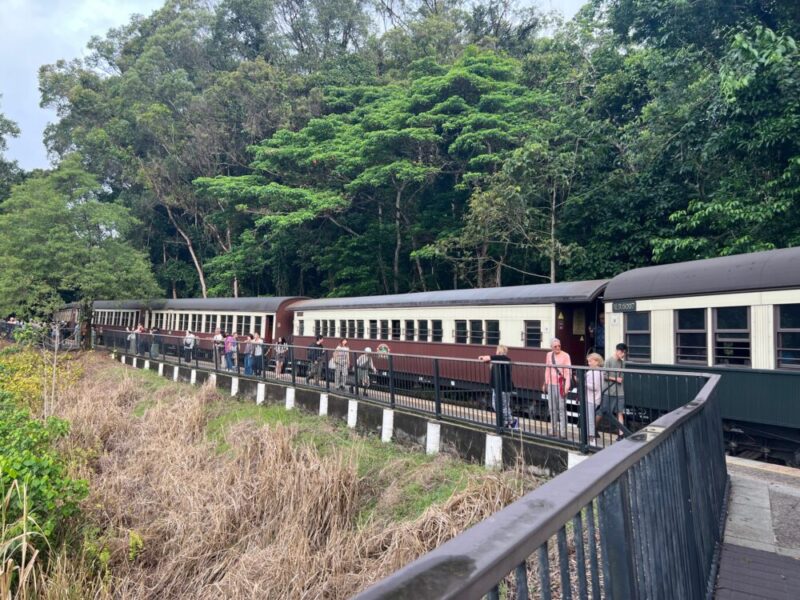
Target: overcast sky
{"x":39,"y":32}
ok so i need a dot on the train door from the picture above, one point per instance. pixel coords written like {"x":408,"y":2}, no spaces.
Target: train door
{"x":575,"y":327}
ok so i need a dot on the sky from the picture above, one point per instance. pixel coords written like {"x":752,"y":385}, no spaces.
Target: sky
{"x":40,"y":32}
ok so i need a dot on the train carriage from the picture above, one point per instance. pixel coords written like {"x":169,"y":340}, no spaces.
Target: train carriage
{"x":736,"y":315}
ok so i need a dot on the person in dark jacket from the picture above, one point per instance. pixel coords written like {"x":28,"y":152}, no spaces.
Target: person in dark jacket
{"x":501,"y":383}
{"x":316,"y":361}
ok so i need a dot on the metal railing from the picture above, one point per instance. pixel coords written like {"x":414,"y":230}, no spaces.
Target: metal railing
{"x":49,"y":336}
{"x":642,"y":519}
{"x":533,"y":402}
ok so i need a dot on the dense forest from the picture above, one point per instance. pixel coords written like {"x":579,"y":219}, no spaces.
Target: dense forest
{"x":342,"y":147}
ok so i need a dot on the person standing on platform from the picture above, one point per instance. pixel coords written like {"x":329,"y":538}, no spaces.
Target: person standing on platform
{"x":258,"y":355}
{"x":249,"y":352}
{"x":594,"y":393}
{"x":316,"y":356}
{"x":281,"y":349}
{"x":365,"y":366}
{"x":341,"y":364}
{"x":230,"y":349}
{"x":501,"y":382}
{"x":614,"y":397}
{"x":189,"y":342}
{"x":557,"y":378}
{"x":219,"y":347}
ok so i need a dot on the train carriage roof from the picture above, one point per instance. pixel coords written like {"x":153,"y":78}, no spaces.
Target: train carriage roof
{"x":544,"y":293}
{"x":770,"y":270}
{"x":254,"y":305}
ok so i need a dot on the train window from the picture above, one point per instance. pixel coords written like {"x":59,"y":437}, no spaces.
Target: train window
{"x":384,"y":330}
{"x":324,"y":328}
{"x":243,"y":327}
{"x":332,"y":327}
{"x":395,"y":329}
{"x":691,"y":343}
{"x":373,"y":330}
{"x":317,"y":328}
{"x":422,"y":330}
{"x":360,"y":329}
{"x":789,"y":336}
{"x":461,"y":332}
{"x":492,"y":333}
{"x":533,"y":334}
{"x":343,"y":328}
{"x":257,"y":325}
{"x":410,"y":330}
{"x":476,"y":332}
{"x":436,"y":331}
{"x":732,"y":336}
{"x":299,"y":327}
{"x":226,"y":323}
{"x":637,"y":336}
{"x":351,"y":328}
{"x":183,"y":322}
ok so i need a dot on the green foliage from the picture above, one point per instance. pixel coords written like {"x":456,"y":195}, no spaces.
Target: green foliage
{"x":59,"y":242}
{"x":27,"y":455}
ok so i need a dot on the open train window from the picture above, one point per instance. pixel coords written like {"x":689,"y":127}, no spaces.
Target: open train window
{"x":788,"y":320}
{"x":691,"y":342}
{"x":461,"y":332}
{"x":342,"y":328}
{"x":257,"y":325}
{"x":422,"y":330}
{"x":410,"y":330}
{"x":476,"y":332}
{"x":324,"y":332}
{"x":351,"y":328}
{"x":360,"y":329}
{"x":637,"y":336}
{"x":300,"y":327}
{"x":533,"y":334}
{"x":384,"y":329}
{"x":436,"y":331}
{"x":331,"y":328}
{"x":492,"y":333}
{"x":395,"y":329}
{"x":373,"y":330}
{"x":732,"y":335}
{"x":317,"y":328}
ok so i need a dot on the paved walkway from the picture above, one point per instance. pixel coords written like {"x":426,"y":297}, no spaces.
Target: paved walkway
{"x":761,"y":550}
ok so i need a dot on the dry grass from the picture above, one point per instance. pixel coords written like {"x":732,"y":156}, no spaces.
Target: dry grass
{"x":271,"y":516}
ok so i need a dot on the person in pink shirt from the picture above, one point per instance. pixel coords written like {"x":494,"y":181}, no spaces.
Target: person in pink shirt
{"x":557,"y":380}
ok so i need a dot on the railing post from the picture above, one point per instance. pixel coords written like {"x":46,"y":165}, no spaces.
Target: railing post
{"x":497,"y":395}
{"x":355,"y":373}
{"x":325,"y":370}
{"x":583,"y":412}
{"x":437,"y":395}
{"x":391,"y":381}
{"x":294,"y":366}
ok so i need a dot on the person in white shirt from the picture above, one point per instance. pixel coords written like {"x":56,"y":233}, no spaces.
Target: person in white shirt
{"x":594,"y":392}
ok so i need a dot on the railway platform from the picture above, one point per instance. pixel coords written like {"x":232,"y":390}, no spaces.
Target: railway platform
{"x":761,"y":549}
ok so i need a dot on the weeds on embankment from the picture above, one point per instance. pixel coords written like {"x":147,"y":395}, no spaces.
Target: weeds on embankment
{"x":195,"y":496}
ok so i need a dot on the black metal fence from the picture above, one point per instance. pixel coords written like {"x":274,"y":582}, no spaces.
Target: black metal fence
{"x":51,"y":336}
{"x":642,"y":519}
{"x":576,"y":406}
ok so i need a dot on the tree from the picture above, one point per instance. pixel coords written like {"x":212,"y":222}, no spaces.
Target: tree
{"x":9,"y":171}
{"x":59,"y":243}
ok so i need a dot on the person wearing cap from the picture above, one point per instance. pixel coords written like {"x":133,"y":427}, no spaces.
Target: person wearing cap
{"x":365,"y":366}
{"x":614,"y":396}
{"x":557,"y":382}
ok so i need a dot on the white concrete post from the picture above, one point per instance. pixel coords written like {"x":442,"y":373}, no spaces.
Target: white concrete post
{"x":494,"y":451}
{"x":352,"y":413}
{"x":133,"y":362}
{"x":387,"y":430}
{"x":289,"y":398}
{"x":161,"y":369}
{"x":260,"y":393}
{"x":146,"y":365}
{"x":122,"y":358}
{"x":212,"y":377}
{"x":433,"y":438}
{"x":193,"y":378}
{"x":234,"y":386}
{"x":323,"y":404}
{"x":175,"y":372}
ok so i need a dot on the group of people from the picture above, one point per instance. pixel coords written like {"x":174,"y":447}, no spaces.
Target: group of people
{"x":339,"y":363}
{"x":602,"y":383}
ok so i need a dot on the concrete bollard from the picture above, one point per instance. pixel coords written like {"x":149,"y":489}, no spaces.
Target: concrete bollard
{"x":289,"y":398}
{"x":260,"y":393}
{"x":234,"y":386}
{"x":433,"y":439}
{"x":323,"y":404}
{"x":176,"y":370}
{"x":352,"y":413}
{"x":387,"y":429}
{"x":161,"y":369}
{"x":193,"y":378}
{"x":494,"y":451}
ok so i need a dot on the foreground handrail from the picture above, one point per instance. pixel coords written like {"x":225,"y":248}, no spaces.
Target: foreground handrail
{"x":472,"y":563}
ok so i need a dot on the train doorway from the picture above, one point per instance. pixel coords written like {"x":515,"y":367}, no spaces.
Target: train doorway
{"x":577,"y":328}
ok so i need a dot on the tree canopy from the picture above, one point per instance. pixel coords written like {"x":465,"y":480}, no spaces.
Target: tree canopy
{"x":333,"y":147}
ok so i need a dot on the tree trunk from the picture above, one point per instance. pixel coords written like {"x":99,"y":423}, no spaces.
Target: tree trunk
{"x":198,"y":267}
{"x":381,"y":266}
{"x":397,"y":241}
{"x":553,"y":236}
